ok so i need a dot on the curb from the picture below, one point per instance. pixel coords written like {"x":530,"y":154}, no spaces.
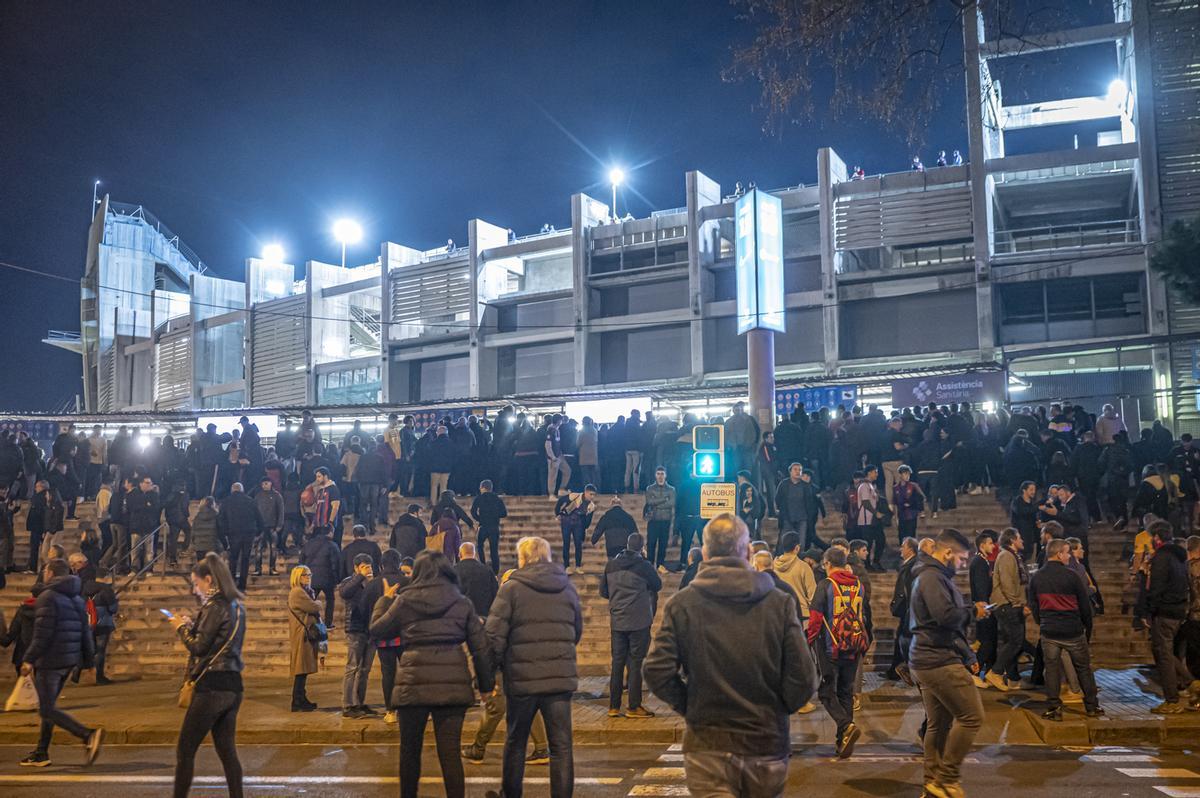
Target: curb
{"x":1153,"y":731}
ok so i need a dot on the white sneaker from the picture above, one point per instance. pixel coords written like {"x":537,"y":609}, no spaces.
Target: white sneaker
{"x":807,"y":708}
{"x":980,"y":683}
{"x":662,"y":569}
{"x":570,"y":570}
{"x":390,"y":717}
{"x":1069,"y":696}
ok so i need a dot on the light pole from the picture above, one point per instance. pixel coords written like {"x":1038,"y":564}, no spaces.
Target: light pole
{"x":95,"y":199}
{"x":616,"y":176}
{"x":347,"y":231}
{"x":273,"y":253}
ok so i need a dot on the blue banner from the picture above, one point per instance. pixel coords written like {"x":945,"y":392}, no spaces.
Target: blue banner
{"x":427,"y":418}
{"x":813,"y":399}
{"x":43,"y":432}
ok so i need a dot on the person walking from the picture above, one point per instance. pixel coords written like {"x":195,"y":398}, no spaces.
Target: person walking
{"x":477,"y":581}
{"x":241,"y":524}
{"x":434,"y":620}
{"x":534,"y":626}
{"x":304,"y":636}
{"x":175,"y":513}
{"x":359,"y":544}
{"x":408,"y":533}
{"x":574,"y":511}
{"x":1059,"y":601}
{"x":659,"y":513}
{"x":731,"y":658}
{"x":908,"y":502}
{"x":213,"y":640}
{"x":324,"y":561}
{"x":798,"y":574}
{"x":495,"y":708}
{"x":981,"y":579}
{"x":206,"y":530}
{"x":360,"y":653}
{"x":1010,"y":586}
{"x":615,"y":526}
{"x":143,"y":511}
{"x":941,"y":662}
{"x":61,"y":641}
{"x":388,"y":649}
{"x":839,"y":624}
{"x":1167,"y":600}
{"x":102,"y":617}
{"x":901,"y":594}
{"x":488,"y":509}
{"x":631,"y":585}
{"x":269,"y":503}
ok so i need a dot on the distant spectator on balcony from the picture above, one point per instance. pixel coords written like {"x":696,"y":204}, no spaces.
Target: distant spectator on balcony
{"x":449,"y":245}
{"x":917,"y":166}
{"x":941,"y":159}
{"x":956,"y":158}
{"x":858,"y":174}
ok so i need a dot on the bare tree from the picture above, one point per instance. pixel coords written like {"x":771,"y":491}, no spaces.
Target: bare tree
{"x":888,"y":61}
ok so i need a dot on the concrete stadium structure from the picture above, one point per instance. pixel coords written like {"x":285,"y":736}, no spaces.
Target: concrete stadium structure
{"x":1035,"y":262}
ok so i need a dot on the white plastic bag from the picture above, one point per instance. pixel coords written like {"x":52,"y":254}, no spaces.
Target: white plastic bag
{"x":23,"y":697}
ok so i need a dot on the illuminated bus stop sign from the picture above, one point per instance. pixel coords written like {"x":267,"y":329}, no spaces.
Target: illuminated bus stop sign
{"x":759,"y":271}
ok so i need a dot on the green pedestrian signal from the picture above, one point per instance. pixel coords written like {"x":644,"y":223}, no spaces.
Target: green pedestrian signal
{"x":708,"y":447}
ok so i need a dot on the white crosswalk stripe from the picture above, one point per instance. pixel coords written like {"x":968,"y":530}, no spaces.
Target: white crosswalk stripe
{"x":657,"y":790}
{"x":1120,"y":758}
{"x":1179,"y":792}
{"x":1159,"y":773}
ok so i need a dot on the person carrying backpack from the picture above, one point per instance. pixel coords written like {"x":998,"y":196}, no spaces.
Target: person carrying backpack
{"x":839,"y":631}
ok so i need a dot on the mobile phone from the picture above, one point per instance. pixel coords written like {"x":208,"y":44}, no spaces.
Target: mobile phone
{"x":167,"y":613}
{"x":989,"y":607}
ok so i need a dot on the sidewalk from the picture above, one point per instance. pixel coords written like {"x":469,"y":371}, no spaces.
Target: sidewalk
{"x":145,"y":713}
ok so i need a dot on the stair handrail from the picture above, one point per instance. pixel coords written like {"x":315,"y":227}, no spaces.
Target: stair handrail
{"x":147,"y":540}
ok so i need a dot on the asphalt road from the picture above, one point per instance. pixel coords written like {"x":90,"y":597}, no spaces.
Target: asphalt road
{"x":638,"y":771}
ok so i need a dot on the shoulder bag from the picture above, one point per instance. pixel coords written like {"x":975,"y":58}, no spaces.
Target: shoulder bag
{"x":188,"y":688}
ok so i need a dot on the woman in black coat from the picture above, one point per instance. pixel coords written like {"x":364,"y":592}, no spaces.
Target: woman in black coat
{"x":434,"y":619}
{"x":214,"y":644}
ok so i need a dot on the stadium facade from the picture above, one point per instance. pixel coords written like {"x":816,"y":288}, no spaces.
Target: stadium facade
{"x":1035,"y":263}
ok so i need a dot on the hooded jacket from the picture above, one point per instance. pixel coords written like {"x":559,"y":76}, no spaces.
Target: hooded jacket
{"x":434,"y":619}
{"x":1167,"y":593}
{"x":820,"y":617}
{"x":615,"y":526}
{"x":408,"y":535}
{"x":938,"y":617}
{"x":478,"y":584}
{"x":206,"y":535}
{"x":61,"y":635}
{"x":533,"y":628}
{"x":730,"y":657}
{"x":798,"y":574}
{"x":631,"y":585}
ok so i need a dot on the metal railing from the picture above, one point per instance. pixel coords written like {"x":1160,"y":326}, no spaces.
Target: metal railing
{"x":140,"y":213}
{"x":139,"y":549}
{"x":1086,"y":234}
{"x":1070,"y":170}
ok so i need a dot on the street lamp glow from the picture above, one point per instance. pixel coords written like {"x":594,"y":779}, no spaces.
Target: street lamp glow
{"x":347,"y":231}
{"x":616,"y":176}
{"x":1117,"y":91}
{"x":273,"y":253}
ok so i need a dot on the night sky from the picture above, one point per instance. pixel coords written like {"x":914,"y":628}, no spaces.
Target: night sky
{"x":240,"y":125}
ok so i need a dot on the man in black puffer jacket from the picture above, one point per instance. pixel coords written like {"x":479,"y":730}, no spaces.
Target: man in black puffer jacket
{"x":730,"y":656}
{"x":533,"y":628}
{"x":62,"y":641}
{"x":631,"y":586}
{"x":1167,"y":600}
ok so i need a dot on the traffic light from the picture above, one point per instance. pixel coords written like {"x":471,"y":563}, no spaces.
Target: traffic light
{"x":708,"y":451}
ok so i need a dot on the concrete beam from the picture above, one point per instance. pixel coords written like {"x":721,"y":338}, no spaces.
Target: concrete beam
{"x":1047,"y":160}
{"x":1047,"y":269}
{"x":496,"y":340}
{"x":1058,"y":112}
{"x":831,"y":171}
{"x":1057,"y":40}
{"x":350,"y":288}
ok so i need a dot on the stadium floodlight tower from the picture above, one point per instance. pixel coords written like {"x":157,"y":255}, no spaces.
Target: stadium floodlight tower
{"x":347,"y":231}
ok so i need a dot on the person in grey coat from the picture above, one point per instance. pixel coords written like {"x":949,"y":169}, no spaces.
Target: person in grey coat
{"x":533,"y":628}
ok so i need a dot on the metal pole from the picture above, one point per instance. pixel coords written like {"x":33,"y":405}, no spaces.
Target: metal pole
{"x":614,"y":204}
{"x":343,"y":254}
{"x":95,"y":199}
{"x":760,"y":365}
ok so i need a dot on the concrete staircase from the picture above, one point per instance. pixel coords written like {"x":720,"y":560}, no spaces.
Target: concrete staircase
{"x":144,"y":644}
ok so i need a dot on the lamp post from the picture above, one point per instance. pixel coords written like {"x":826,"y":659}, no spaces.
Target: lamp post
{"x":273,"y":253}
{"x":346,"y":231}
{"x":616,"y":176}
{"x":95,"y":198}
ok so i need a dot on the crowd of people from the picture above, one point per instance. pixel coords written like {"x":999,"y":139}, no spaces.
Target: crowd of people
{"x":758,"y":630}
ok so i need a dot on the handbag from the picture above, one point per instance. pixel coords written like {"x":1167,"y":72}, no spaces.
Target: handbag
{"x":315,"y":632}
{"x":23,"y":696}
{"x":188,"y":689}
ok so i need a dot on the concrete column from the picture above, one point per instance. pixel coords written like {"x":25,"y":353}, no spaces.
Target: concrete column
{"x":585,"y":214}
{"x":482,"y":236}
{"x":702,"y":192}
{"x":831,"y":170}
{"x":978,"y":87}
{"x":760,"y":361}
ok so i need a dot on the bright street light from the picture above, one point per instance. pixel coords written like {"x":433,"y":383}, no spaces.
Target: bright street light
{"x":273,"y":253}
{"x":616,"y":176}
{"x":347,"y":231}
{"x":1117,"y":91}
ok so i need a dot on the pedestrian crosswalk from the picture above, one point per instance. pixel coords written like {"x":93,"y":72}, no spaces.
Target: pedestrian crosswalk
{"x":1146,"y":765}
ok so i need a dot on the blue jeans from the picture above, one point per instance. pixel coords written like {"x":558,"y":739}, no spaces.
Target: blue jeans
{"x":556,"y":711}
{"x":49,"y":683}
{"x":572,"y":533}
{"x":360,"y":653}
